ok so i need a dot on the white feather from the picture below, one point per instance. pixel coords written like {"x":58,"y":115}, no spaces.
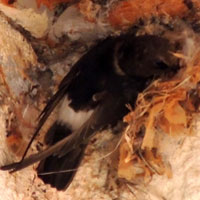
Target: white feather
{"x":70,"y":117}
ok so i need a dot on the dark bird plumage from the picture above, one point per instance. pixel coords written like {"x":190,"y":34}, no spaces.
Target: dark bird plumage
{"x":92,"y":97}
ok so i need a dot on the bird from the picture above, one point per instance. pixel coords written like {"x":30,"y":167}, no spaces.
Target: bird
{"x":93,"y":96}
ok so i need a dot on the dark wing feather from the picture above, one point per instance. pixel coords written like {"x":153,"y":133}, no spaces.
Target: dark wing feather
{"x":38,"y":156}
{"x":102,"y":116}
{"x":83,"y":64}
{"x":44,"y":115}
{"x":53,"y":102}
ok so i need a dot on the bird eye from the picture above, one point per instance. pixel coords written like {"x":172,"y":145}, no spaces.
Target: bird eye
{"x":161,"y":65}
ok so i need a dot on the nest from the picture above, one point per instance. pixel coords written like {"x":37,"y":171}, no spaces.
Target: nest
{"x":165,"y":107}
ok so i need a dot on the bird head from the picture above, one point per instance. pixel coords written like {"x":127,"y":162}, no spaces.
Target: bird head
{"x":146,"y":56}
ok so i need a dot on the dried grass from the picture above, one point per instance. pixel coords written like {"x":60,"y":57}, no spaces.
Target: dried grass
{"x":165,"y":106}
{"x":125,"y":13}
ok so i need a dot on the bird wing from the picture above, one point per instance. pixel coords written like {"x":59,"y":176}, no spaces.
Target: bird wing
{"x":90,"y":58}
{"x":106,"y":113}
{"x":53,"y":102}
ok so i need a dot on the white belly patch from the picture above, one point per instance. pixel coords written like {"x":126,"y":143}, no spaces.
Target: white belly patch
{"x":73,"y":119}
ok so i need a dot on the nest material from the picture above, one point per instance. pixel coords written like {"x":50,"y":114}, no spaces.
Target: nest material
{"x":168,"y":107}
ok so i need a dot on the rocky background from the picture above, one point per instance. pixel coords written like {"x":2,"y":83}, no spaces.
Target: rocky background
{"x":40,"y":40}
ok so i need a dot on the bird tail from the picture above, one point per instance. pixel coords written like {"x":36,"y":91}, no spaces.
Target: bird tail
{"x":59,"y":171}
{"x":54,"y":168}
